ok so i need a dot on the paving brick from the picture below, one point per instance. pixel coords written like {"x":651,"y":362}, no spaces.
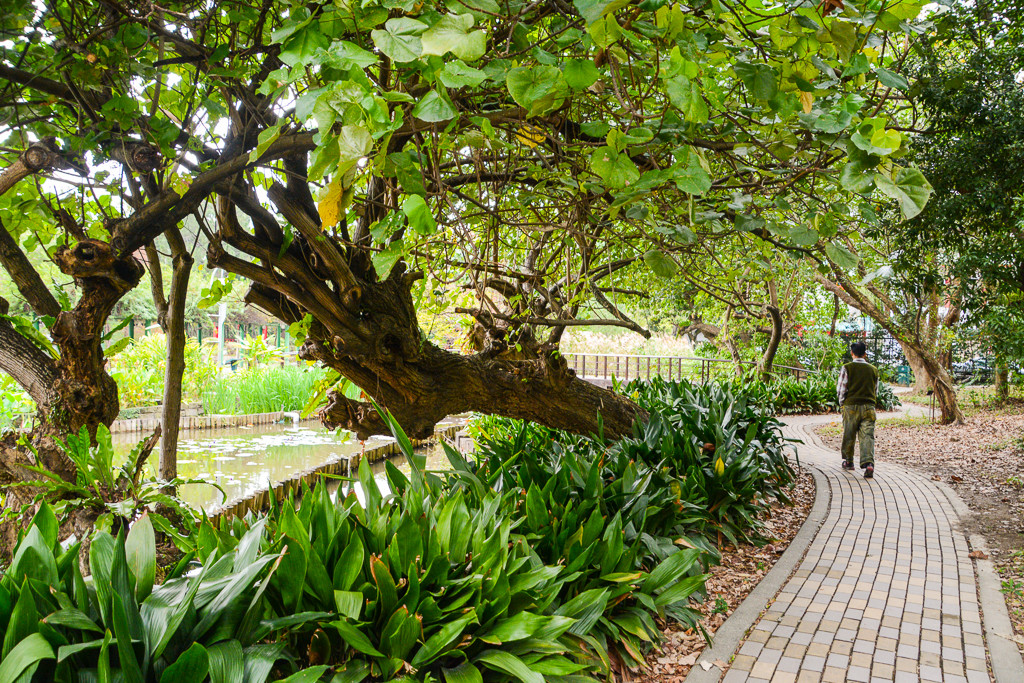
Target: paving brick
{"x":884,"y":593}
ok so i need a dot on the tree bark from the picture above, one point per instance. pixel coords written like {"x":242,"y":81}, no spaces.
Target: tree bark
{"x":421,"y":384}
{"x":922,"y":382}
{"x":768,"y":360}
{"x":1002,"y":381}
{"x":27,"y":364}
{"x":73,"y":391}
{"x":174,"y":330}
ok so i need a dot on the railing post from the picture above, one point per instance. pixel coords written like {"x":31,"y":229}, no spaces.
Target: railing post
{"x":604,"y":373}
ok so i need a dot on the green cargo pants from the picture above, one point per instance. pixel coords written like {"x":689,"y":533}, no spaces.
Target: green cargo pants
{"x":859,"y":421}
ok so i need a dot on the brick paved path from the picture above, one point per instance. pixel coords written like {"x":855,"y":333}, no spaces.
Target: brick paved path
{"x":886,"y":591}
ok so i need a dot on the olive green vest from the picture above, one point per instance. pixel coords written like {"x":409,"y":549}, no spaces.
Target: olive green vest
{"x":861,"y":384}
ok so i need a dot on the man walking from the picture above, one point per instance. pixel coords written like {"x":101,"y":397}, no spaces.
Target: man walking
{"x":858,"y":393}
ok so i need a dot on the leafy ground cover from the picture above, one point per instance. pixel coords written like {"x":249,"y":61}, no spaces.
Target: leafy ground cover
{"x":812,"y":395}
{"x":728,"y":585}
{"x":549,"y":557}
{"x":983,"y":461}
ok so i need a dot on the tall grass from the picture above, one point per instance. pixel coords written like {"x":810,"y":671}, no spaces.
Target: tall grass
{"x":262,"y":390}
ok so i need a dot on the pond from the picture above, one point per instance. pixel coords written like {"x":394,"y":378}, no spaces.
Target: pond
{"x":242,"y":461}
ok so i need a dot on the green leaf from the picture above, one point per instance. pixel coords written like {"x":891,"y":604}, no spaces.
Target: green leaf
{"x":616,"y":170}
{"x":226,"y":662}
{"x":660,"y":264}
{"x":349,"y":604}
{"x":46,"y":521}
{"x":438,"y":643}
{"x":463,"y":673}
{"x":420,"y":218}
{"x":303,"y":44}
{"x":670,"y":569}
{"x":844,"y":35}
{"x":74,"y":619}
{"x":356,"y":639}
{"x":140,"y":550}
{"x":538,"y":89}
{"x":855,"y":178}
{"x":508,"y":663}
{"x":452,"y":34}
{"x":592,"y":10}
{"x":580,"y":74}
{"x":310,"y":675}
{"x":690,"y":177}
{"x":458,"y":74}
{"x":25,"y":657}
{"x":803,"y":236}
{"x":384,"y":261}
{"x":434,"y":108}
{"x":24,"y":622}
{"x":842,"y":256}
{"x":686,"y":95}
{"x":400,"y":39}
{"x":761,"y":80}
{"x":893,"y":80}
{"x":874,"y":138}
{"x":909,"y":188}
{"x":191,"y":667}
{"x":265,"y":139}
{"x":527,"y":625}
{"x":354,"y":672}
{"x":354,"y":143}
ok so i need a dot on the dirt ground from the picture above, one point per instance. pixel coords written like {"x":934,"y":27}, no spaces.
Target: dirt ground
{"x":983,"y":461}
{"x":741,"y":570}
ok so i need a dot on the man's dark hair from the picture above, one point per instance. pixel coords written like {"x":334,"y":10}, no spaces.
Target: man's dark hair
{"x":858,"y":349}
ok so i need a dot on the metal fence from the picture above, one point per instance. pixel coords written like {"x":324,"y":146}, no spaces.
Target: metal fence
{"x":275,"y":334}
{"x":629,"y":367}
{"x":969,"y":361}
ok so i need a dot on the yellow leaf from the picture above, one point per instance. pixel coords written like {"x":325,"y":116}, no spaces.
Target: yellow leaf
{"x":807,"y":100}
{"x":531,"y":136}
{"x":719,"y":467}
{"x":330,"y":206}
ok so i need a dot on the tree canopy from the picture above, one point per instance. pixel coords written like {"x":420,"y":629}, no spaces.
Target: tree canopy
{"x":335,"y":154}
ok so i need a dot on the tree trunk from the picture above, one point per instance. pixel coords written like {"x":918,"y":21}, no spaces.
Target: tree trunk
{"x":422,"y":384}
{"x":922,"y":382}
{"x":367,"y":330}
{"x":768,"y":360}
{"x":943,"y":387}
{"x":71,"y":392}
{"x":174,"y":329}
{"x":1002,"y":384}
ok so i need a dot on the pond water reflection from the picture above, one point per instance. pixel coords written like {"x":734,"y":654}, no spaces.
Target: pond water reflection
{"x":242,"y":461}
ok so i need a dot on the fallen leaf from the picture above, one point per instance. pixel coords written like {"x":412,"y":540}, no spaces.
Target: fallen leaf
{"x":706,"y":665}
{"x":955,"y":478}
{"x":977,"y":555}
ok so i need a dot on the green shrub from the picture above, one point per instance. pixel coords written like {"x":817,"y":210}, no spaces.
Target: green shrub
{"x":116,"y":494}
{"x":262,"y":389}
{"x":139,"y":371}
{"x":602,"y":515}
{"x":15,"y":404}
{"x":812,"y":395}
{"x":449,"y":576}
{"x":57,"y":627}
